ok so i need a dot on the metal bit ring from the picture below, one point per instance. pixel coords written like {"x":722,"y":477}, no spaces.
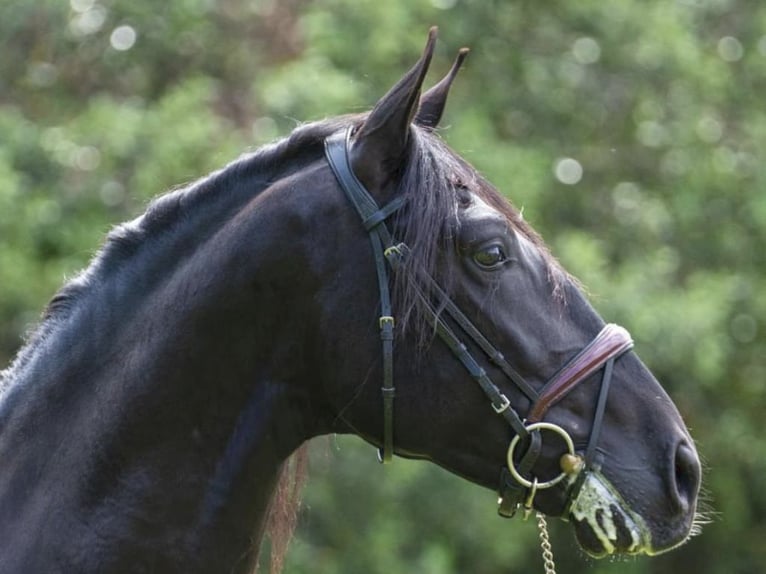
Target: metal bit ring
{"x":526,"y":483}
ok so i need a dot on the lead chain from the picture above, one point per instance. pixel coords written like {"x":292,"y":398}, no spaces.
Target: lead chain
{"x":545,"y":545}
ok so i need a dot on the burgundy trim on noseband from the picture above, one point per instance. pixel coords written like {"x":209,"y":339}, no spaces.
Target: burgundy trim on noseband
{"x":518,"y":485}
{"x":610,"y":343}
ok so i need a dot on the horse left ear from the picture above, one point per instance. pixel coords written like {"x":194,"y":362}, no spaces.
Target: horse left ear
{"x":433,"y":101}
{"x":379,"y":146}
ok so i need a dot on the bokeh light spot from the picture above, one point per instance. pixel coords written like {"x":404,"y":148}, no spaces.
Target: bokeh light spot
{"x":730,"y":49}
{"x":87,"y":158}
{"x":81,"y":6}
{"x":709,"y":129}
{"x":568,"y":171}
{"x":586,"y":50}
{"x":123,"y":38}
{"x":88,"y":22}
{"x":651,"y":134}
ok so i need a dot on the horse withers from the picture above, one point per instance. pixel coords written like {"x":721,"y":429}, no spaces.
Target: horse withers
{"x":356,"y":277}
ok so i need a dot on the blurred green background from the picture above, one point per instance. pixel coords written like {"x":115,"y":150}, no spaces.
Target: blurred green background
{"x":632,"y":132}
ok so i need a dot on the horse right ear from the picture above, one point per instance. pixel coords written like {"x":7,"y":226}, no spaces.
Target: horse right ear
{"x":433,"y":101}
{"x":378,"y":148}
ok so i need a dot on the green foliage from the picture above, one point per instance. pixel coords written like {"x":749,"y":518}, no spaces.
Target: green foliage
{"x":632,"y":133}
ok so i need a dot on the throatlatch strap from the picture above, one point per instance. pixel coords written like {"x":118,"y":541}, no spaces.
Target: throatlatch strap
{"x":373,"y":220}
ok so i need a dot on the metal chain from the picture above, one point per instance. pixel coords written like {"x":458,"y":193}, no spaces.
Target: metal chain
{"x":545,"y":545}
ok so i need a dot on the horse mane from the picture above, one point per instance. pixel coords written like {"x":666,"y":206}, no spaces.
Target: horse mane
{"x":285,"y":506}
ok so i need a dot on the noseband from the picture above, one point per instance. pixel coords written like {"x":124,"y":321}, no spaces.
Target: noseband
{"x":518,"y":485}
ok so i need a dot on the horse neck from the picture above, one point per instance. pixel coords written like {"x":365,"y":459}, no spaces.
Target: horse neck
{"x":157,"y":414}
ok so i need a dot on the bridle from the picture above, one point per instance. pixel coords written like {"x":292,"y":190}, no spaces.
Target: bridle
{"x":518,"y":486}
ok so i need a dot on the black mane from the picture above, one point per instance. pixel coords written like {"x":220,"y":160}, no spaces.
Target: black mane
{"x":259,"y":169}
{"x":430,"y":183}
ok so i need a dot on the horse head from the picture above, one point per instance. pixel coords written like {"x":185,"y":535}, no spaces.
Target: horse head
{"x":597,"y":439}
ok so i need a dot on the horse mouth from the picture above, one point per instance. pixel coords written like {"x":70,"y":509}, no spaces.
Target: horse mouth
{"x":604,"y":524}
{"x":609,"y":534}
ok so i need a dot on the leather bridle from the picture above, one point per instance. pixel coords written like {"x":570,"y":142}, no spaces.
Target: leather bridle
{"x":518,"y":486}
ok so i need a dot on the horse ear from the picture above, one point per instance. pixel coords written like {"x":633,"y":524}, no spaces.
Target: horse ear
{"x":379,"y":145}
{"x":433,"y":101}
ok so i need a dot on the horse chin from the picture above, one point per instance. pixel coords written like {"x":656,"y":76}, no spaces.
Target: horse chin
{"x":604,"y":524}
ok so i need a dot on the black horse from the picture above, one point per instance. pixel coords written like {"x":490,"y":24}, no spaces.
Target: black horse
{"x":145,"y":424}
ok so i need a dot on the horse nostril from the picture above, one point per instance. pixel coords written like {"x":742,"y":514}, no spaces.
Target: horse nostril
{"x":687,"y":475}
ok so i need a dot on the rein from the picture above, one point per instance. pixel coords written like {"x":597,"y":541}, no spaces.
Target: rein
{"x":518,"y":484}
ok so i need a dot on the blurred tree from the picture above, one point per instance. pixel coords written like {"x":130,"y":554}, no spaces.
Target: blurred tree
{"x":632,"y":133}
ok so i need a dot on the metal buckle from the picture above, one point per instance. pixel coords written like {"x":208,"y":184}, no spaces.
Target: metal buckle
{"x":393,"y":250}
{"x":503,"y":406}
{"x":395,"y":255}
{"x":386,"y":319}
{"x":529,"y":501}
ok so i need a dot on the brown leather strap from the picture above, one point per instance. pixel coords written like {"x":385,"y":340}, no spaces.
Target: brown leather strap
{"x":610,"y":343}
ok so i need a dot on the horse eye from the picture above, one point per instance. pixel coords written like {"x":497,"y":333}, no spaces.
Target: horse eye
{"x":490,"y":257}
